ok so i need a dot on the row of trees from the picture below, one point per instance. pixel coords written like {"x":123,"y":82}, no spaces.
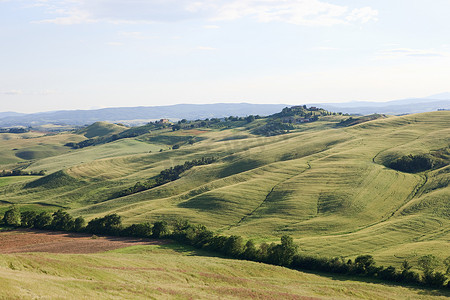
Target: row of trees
{"x":302,"y":111}
{"x":284,"y":253}
{"x":59,"y":220}
{"x":227,"y":122}
{"x":167,"y":175}
{"x":15,"y":130}
{"x":5,"y":173}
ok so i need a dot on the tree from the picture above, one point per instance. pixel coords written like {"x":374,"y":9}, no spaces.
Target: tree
{"x":62,"y":221}
{"x":160,"y":229}
{"x":428,"y":263}
{"x":139,"y":230}
{"x":28,"y":218}
{"x":364,"y":264}
{"x":250,"y":251}
{"x":79,"y":223}
{"x":250,"y":119}
{"x":12,"y":216}
{"x":109,"y":224}
{"x":388,"y":274}
{"x":447,"y":265}
{"x":434,"y":279}
{"x":43,"y":220}
{"x":283,"y":254}
{"x":233,"y":246}
{"x":406,"y":266}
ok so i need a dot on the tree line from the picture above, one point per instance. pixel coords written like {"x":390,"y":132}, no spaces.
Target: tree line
{"x":166,"y":176}
{"x":14,"y":130}
{"x":284,"y":254}
{"x":6,"y":173}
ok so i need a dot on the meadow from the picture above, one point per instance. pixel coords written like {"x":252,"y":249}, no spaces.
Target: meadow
{"x":171,"y":271}
{"x":326,"y":185}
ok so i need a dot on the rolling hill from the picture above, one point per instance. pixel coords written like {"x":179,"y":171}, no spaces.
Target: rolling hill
{"x":140,"y":115}
{"x":328,"y":186}
{"x":101,"y":129}
{"x":169,"y":271}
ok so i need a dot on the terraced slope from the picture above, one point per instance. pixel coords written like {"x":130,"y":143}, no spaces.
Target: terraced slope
{"x":327,"y":186}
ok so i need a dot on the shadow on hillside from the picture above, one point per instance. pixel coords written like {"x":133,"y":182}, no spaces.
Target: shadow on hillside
{"x":423,"y":291}
{"x":188,"y":250}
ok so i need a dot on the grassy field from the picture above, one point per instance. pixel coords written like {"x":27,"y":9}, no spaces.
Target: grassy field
{"x":326,"y":186}
{"x":4,"y":181}
{"x":101,"y":129}
{"x":170,"y":271}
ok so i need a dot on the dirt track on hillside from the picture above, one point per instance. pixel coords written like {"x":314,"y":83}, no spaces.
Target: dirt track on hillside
{"x":19,"y":241}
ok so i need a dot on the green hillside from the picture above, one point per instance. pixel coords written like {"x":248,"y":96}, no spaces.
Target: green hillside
{"x":325,"y":184}
{"x":101,"y":129}
{"x":174,"y":272}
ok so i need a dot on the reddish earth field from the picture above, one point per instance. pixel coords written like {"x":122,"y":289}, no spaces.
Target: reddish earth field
{"x":23,"y":240}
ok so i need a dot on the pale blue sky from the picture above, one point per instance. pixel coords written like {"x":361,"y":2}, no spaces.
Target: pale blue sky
{"x":81,"y":54}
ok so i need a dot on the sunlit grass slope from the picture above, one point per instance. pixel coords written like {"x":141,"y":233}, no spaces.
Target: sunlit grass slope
{"x":87,"y":155}
{"x":26,"y":147}
{"x":173,"y":272}
{"x":101,"y":129}
{"x":326,"y":186}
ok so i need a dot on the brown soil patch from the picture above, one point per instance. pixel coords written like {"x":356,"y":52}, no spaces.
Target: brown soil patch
{"x":19,"y":241}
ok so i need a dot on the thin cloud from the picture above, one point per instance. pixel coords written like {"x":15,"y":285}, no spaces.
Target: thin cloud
{"x":135,"y":35}
{"x":406,"y":52}
{"x":12,"y":92}
{"x":45,"y":92}
{"x":20,"y":92}
{"x":115,"y":44}
{"x":363,"y":15}
{"x":211,"y":27}
{"x":298,"y":12}
{"x":131,"y":34}
{"x":203,"y":48}
{"x":324,"y":48}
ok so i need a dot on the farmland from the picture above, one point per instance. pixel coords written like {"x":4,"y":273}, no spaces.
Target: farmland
{"x":328,"y":186}
{"x":166,"y":271}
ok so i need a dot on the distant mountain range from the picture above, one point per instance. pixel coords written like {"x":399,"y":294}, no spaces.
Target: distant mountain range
{"x":10,"y":114}
{"x":218,"y":110}
{"x":396,"y":107}
{"x":136,"y":114}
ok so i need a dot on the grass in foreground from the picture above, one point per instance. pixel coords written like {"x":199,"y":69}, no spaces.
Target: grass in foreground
{"x":176,"y":272}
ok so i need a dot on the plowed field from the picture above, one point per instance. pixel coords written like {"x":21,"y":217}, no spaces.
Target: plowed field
{"x":19,"y":241}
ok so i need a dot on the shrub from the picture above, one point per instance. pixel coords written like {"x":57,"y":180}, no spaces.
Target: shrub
{"x":160,"y":229}
{"x":138,"y":230}
{"x":28,"y":218}
{"x":412,"y":163}
{"x":12,"y":217}
{"x":109,"y":224}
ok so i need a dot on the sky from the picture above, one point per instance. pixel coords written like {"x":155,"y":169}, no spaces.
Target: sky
{"x":87,"y":54}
